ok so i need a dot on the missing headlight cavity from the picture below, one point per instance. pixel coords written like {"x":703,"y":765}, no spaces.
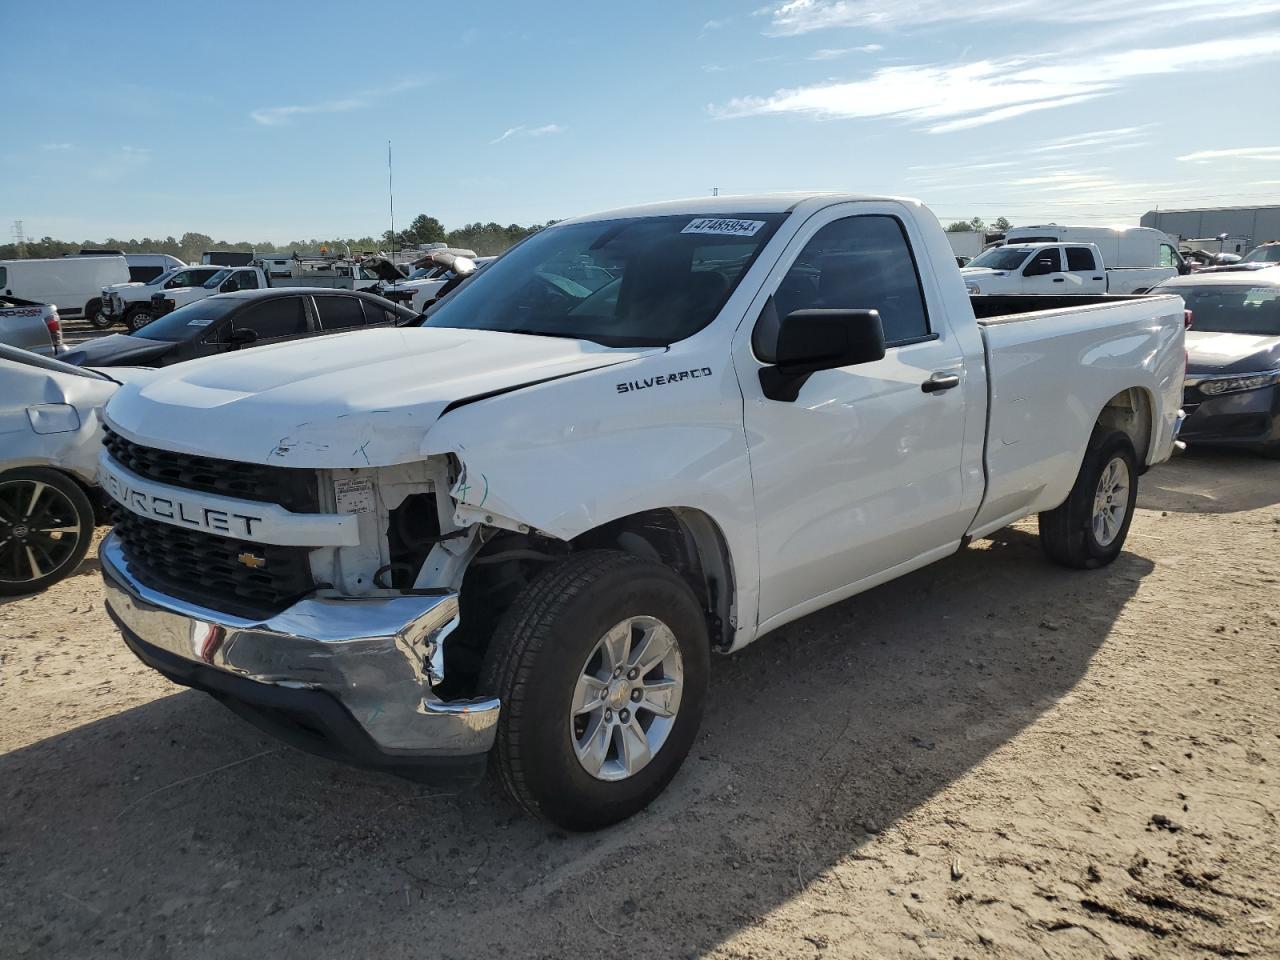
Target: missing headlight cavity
{"x":414,"y":528}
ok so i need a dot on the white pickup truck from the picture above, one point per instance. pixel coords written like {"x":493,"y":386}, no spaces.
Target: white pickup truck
{"x":519,"y":531}
{"x":1054,"y":268}
{"x":130,"y":303}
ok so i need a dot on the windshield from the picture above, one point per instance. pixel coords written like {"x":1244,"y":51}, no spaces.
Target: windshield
{"x":1269,"y":254}
{"x":156,"y":281}
{"x":1001,"y":258}
{"x":1234,"y":309}
{"x":185,"y":323}
{"x":216,"y":279}
{"x":642,"y":281}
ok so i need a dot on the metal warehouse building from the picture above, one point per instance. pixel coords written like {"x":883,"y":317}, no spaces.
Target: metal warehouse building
{"x":1256,"y":224}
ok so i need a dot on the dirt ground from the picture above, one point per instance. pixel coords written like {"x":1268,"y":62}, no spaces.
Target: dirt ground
{"x":992,"y":757}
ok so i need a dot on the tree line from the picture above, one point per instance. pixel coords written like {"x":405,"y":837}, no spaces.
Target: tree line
{"x":976,"y":225}
{"x":486,"y":239}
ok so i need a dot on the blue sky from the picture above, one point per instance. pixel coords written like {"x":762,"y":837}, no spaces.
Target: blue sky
{"x":270,"y":121}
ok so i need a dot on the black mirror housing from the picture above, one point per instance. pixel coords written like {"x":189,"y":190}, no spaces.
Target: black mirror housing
{"x":242,"y":337}
{"x":813,"y":340}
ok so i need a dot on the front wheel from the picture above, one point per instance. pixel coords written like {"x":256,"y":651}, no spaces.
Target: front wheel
{"x":137,"y":318}
{"x":99,"y":319}
{"x":601,"y":665}
{"x":1088,"y":530}
{"x":46,"y":523}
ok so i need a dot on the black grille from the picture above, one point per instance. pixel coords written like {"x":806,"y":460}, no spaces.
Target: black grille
{"x":207,"y":569}
{"x":293,"y":489}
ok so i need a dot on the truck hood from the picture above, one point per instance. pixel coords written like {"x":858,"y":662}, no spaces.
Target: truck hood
{"x":346,"y":400}
{"x":1210,"y":354}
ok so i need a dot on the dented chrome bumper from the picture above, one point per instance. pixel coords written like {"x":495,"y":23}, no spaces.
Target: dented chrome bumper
{"x":346,"y":678}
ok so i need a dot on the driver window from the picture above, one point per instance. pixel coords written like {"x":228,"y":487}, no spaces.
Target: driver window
{"x":1046,"y":261}
{"x":283,"y":317}
{"x":858,"y":263}
{"x":1167,"y":257}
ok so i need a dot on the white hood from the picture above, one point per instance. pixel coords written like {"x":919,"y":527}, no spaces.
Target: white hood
{"x":344,"y":400}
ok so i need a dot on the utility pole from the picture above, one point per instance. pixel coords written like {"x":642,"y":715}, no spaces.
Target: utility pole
{"x":19,"y":240}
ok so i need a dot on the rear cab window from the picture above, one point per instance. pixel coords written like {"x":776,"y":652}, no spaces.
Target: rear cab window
{"x":1080,"y":259}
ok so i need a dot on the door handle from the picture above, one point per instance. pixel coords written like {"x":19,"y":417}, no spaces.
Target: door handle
{"x":939,"y":382}
{"x":1059,"y":280}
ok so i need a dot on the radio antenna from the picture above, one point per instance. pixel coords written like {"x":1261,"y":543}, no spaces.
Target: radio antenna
{"x":391,"y":197}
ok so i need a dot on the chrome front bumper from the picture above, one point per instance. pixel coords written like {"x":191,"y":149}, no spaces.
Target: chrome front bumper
{"x":357,"y":674}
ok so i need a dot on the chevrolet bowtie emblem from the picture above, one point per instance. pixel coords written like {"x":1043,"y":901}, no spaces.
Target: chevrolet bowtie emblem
{"x":251,"y":561}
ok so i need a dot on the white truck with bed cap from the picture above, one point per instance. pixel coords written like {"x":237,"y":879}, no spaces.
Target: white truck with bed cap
{"x":517,"y":532}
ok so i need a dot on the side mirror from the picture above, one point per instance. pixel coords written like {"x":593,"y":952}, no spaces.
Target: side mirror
{"x":813,"y":340}
{"x":242,"y":337}
{"x":229,"y":286}
{"x":1040,"y":267}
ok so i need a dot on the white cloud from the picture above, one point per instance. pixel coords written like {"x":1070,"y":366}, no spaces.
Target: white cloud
{"x":806,"y":16}
{"x":1080,"y":141}
{"x":1269,"y":154}
{"x":275,"y":116}
{"x":55,"y":146}
{"x":278,"y":116}
{"x":957,"y":96}
{"x":835,"y":53}
{"x":526,"y":131}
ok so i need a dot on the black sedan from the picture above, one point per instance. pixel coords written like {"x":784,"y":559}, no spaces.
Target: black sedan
{"x":232,"y":321}
{"x":1232,"y":391}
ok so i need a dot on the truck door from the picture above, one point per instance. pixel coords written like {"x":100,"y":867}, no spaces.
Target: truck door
{"x":862,"y":472}
{"x":1043,"y":273}
{"x":1084,"y":273}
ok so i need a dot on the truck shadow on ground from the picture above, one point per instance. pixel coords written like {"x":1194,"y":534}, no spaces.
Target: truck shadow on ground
{"x":176,"y":829}
{"x":1208,"y":480}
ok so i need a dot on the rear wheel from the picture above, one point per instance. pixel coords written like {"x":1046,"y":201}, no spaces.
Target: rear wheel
{"x":601,"y":665}
{"x":137,"y":318}
{"x":46,"y":523}
{"x":1089,"y":528}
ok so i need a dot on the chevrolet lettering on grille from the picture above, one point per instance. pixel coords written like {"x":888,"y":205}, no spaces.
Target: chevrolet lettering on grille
{"x":180,"y":511}
{"x":224,"y":516}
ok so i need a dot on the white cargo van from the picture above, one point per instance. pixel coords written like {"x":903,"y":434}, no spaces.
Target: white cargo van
{"x":1137,"y":258}
{"x":72,"y":284}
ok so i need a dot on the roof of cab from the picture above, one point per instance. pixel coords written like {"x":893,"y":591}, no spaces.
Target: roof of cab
{"x":734,"y":205}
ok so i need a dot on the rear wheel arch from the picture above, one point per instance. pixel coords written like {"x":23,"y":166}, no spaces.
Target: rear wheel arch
{"x":1131,"y":411}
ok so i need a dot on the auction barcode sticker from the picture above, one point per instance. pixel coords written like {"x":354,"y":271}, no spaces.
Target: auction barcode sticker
{"x":724,"y":227}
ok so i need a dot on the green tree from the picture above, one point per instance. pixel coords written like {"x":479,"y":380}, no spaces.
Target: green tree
{"x":425,"y":229}
{"x":1002,"y":224}
{"x":960,"y":226}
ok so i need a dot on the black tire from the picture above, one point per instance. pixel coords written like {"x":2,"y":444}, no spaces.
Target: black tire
{"x":26,"y":552}
{"x":535,"y":659}
{"x":1067,"y":533}
{"x":138,"y":317}
{"x":93,"y":313}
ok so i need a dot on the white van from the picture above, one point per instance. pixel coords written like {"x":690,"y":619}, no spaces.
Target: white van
{"x":148,"y":266}
{"x":1136,"y":257}
{"x":72,"y":284}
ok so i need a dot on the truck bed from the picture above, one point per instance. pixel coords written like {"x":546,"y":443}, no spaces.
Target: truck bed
{"x":1007,"y":308}
{"x":1052,"y":364}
